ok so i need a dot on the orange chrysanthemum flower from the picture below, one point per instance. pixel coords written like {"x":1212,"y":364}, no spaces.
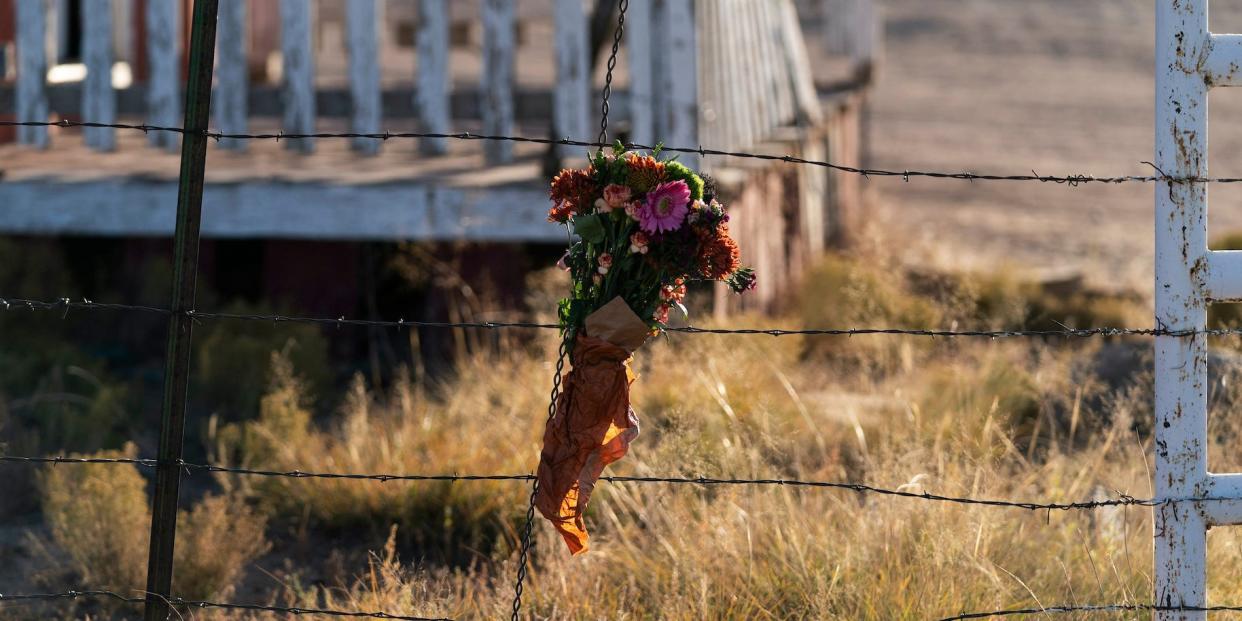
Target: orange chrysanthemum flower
{"x":572,"y":191}
{"x":718,"y":254}
{"x":646,"y":172}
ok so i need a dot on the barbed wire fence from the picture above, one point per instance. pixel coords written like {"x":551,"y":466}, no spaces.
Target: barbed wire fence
{"x":170,"y":467}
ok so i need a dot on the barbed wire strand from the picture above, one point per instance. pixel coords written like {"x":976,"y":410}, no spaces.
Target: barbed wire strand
{"x":1015,"y":612}
{"x":64,"y":305}
{"x":1072,"y":180}
{"x":1120,"y":500}
{"x":297,"y":611}
{"x":191,"y":603}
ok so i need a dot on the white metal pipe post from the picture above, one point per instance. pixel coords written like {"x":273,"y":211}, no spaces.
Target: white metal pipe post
{"x":1189,"y":61}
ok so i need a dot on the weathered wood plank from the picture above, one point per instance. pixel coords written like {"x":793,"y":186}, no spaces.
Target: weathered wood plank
{"x":361,"y":22}
{"x":431,"y":98}
{"x":638,"y":48}
{"x":782,"y":84}
{"x":98,"y":97}
{"x":31,"y":72}
{"x":709,"y":73}
{"x":498,"y":70}
{"x":164,"y":81}
{"x":229,"y":105}
{"x":275,"y":209}
{"x":682,"y":77}
{"x":806,"y":98}
{"x":571,"y":97}
{"x":299,"y":72}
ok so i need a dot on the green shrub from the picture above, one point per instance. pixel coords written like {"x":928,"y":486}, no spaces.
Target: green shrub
{"x":232,"y":359}
{"x":98,"y":514}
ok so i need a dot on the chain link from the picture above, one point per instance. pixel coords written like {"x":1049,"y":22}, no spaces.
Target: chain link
{"x":612,"y":64}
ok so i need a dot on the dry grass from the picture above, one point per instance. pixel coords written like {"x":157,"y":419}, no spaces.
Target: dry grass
{"x":99,"y":517}
{"x":1023,"y":420}
{"x":991,"y":419}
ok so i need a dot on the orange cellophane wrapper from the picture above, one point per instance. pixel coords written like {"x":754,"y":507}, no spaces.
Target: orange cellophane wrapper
{"x":593,"y":425}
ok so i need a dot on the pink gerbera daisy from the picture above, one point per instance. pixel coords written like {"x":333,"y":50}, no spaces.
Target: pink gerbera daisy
{"x":665,"y":208}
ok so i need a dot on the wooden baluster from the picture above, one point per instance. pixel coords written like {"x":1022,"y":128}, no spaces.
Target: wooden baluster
{"x":299,"y":72}
{"x":98,"y":97}
{"x":498,"y":65}
{"x":31,"y":72}
{"x":229,"y":105}
{"x":164,"y":72}
{"x":638,"y":47}
{"x":431,"y":95}
{"x":364,"y":75}
{"x":571,"y":112}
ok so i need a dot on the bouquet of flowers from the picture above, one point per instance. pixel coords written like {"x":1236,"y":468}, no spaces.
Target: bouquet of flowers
{"x":646,"y":228}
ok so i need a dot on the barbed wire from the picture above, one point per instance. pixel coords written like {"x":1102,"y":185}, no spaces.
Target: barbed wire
{"x":64,"y":305}
{"x":1120,"y":500}
{"x":1014,"y":612}
{"x":191,"y":603}
{"x":1072,"y":180}
{"x":297,"y":611}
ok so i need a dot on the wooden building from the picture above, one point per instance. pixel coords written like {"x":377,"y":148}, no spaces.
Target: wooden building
{"x":769,"y":76}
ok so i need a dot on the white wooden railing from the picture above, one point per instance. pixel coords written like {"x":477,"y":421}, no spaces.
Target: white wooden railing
{"x":740,"y":74}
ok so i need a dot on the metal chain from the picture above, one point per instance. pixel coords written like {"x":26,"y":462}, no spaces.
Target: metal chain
{"x":612,"y":64}
{"x":563,"y":352}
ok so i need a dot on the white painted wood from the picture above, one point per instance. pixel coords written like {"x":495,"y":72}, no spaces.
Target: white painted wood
{"x":31,"y":101}
{"x":431,"y":95}
{"x":728,"y":77}
{"x":58,"y":38}
{"x":98,"y":97}
{"x":782,"y":80}
{"x":660,"y":97}
{"x":806,"y":97}
{"x":638,"y":49}
{"x":1180,"y":576}
{"x":681,"y":77}
{"x":299,"y":72}
{"x":275,"y":210}
{"x":164,"y":81}
{"x":570,"y":98}
{"x":498,"y":67}
{"x":746,"y":56}
{"x":364,"y":77}
{"x":229,"y":107}
{"x":709,"y":75}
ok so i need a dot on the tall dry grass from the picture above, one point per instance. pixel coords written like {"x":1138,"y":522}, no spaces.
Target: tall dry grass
{"x":1030,"y":420}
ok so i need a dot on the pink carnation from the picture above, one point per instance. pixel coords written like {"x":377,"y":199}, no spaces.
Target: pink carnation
{"x":665,"y":208}
{"x":616,"y":195}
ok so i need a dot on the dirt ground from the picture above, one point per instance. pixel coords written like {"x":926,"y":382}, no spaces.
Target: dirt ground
{"x":1011,"y":86}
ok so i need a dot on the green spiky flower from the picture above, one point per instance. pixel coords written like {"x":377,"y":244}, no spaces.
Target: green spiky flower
{"x":677,"y":170}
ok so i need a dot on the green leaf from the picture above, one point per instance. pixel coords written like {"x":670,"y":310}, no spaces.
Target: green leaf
{"x":589,"y":228}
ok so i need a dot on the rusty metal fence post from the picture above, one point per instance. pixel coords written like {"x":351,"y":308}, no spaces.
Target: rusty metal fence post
{"x":185,"y":272}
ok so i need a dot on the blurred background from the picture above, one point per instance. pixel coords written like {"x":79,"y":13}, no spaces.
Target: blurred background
{"x":437,"y":229}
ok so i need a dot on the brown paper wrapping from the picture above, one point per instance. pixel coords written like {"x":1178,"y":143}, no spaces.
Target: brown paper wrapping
{"x":593,"y":425}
